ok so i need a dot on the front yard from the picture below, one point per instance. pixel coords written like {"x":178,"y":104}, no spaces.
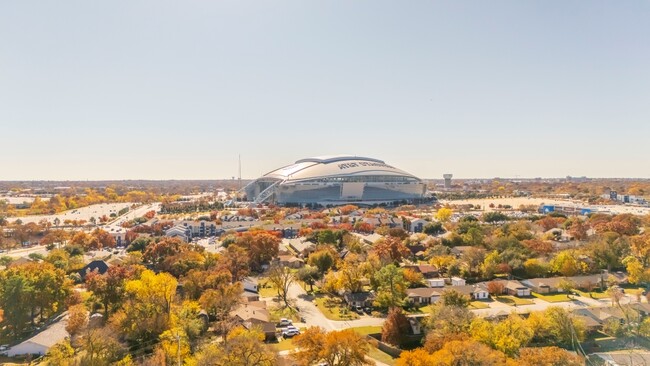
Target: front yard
{"x":478,"y":305}
{"x":284,"y":345}
{"x":334,"y":308}
{"x":513,"y":300}
{"x":553,"y":297}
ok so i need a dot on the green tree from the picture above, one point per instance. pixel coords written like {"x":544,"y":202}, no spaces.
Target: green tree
{"x":451,"y":297}
{"x":392,"y":287}
{"x":308,"y":275}
{"x":323,"y":259}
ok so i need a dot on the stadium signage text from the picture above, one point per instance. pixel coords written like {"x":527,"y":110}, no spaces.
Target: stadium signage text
{"x":363,"y":163}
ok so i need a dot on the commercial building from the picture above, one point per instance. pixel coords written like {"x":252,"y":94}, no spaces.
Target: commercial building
{"x":336,"y":180}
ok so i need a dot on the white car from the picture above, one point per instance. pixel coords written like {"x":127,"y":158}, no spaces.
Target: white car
{"x":290,"y":333}
{"x":284,"y":322}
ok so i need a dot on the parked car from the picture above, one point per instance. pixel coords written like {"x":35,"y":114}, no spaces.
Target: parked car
{"x":367,"y":310}
{"x":290,"y":333}
{"x":359,"y":310}
{"x":284,"y":322}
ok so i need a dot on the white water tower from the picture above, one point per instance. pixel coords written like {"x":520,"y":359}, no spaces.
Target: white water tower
{"x":447,"y":180}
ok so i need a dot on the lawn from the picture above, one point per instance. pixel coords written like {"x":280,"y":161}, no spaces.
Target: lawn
{"x":513,"y":300}
{"x":594,"y":294}
{"x":553,"y":297}
{"x":266,"y":289}
{"x":478,"y":305}
{"x":334,"y":308}
{"x":422,"y":310}
{"x":633,"y":290}
{"x":368,"y":330}
{"x":284,"y":345}
{"x":381,"y":356}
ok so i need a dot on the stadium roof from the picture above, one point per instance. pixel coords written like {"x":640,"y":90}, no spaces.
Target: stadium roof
{"x":332,"y":166}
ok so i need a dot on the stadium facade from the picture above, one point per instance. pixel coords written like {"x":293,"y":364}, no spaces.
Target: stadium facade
{"x":336,"y":180}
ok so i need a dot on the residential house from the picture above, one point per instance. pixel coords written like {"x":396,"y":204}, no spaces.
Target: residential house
{"x":475,"y":292}
{"x":460,"y":250}
{"x":423,"y":295}
{"x":363,"y":299}
{"x":250,"y":285}
{"x":435,"y":282}
{"x":98,"y":266}
{"x":515,"y":288}
{"x":255,"y":314}
{"x":427,"y":270}
{"x":457,"y":281}
{"x":414,"y":224}
{"x":302,"y":247}
{"x":620,"y":358}
{"x":41,"y":342}
{"x":290,"y":261}
{"x":544,"y":285}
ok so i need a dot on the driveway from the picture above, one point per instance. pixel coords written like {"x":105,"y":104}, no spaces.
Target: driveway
{"x":308,"y":310}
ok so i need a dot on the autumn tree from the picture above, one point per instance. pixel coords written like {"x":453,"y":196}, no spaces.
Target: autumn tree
{"x":102,"y":239}
{"x":507,"y":336}
{"x":468,"y":352}
{"x":100,"y":346}
{"x":548,"y":356}
{"x":416,"y":357}
{"x":496,"y":288}
{"x":446,"y":323}
{"x":352,"y":273}
{"x":261,"y":247}
{"x":444,"y":214}
{"x":391,"y":249}
{"x":243,"y":348}
{"x":220,"y":302}
{"x":556,"y":326}
{"x":337,"y":348}
{"x":395,"y":327}
{"x":147,"y":309}
{"x":57,"y":236}
{"x":567,"y":263}
{"x":539,"y":247}
{"x":109,"y":288}
{"x":77,"y":318}
{"x":60,"y":354}
{"x":235,"y":259}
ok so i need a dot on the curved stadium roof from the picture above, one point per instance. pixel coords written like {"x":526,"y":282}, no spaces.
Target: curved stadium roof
{"x":332,"y":166}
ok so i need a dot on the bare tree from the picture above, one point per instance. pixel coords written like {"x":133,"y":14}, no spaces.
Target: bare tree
{"x":281,"y":278}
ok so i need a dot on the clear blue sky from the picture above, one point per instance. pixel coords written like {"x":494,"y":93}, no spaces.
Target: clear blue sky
{"x":177,"y":89}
